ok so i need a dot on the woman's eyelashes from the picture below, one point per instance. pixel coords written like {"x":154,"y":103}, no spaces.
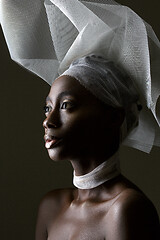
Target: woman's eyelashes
{"x":65,"y":105}
{"x":47,"y":109}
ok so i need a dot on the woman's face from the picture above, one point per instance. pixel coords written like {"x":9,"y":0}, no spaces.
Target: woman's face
{"x":77,"y":124}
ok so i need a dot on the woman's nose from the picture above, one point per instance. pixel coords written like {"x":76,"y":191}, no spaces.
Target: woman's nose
{"x":51,"y":121}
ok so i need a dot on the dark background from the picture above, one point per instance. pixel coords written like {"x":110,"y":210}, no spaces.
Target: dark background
{"x":26,"y":172}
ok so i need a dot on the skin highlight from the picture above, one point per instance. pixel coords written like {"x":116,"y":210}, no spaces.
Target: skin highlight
{"x":81,"y":129}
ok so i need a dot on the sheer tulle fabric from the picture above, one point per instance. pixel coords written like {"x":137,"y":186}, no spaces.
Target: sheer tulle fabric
{"x":46,"y":37}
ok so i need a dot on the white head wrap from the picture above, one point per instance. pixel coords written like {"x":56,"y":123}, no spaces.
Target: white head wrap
{"x":109,"y":84}
{"x":46,"y":38}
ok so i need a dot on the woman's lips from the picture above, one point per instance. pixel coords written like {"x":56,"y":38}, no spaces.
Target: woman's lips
{"x":52,"y":143}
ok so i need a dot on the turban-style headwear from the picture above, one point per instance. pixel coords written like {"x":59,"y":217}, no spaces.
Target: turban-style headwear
{"x":114,"y":88}
{"x":46,"y":37}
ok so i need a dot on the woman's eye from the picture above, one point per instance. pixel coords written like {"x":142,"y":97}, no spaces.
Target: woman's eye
{"x":47,"y":109}
{"x":67,"y":105}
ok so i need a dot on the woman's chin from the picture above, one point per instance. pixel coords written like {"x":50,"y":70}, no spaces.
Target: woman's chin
{"x":55,"y":155}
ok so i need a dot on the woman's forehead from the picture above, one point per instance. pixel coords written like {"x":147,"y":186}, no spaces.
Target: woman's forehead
{"x":70,"y":86}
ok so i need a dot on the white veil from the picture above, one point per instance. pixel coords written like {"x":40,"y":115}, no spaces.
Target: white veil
{"x":46,"y":37}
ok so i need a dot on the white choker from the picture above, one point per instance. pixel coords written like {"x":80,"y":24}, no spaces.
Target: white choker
{"x":104,"y":172}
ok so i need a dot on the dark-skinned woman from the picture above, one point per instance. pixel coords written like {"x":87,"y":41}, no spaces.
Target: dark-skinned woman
{"x":101,"y":60}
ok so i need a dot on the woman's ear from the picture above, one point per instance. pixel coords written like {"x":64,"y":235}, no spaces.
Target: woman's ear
{"x":117,"y":116}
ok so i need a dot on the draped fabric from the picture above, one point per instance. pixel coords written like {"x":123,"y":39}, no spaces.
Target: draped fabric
{"x":45,"y":37}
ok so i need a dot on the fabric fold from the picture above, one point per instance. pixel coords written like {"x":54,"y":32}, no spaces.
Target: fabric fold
{"x":45,"y":37}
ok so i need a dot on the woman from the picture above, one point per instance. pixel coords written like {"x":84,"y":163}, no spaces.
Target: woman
{"x":86,"y":120}
{"x":82,"y":129}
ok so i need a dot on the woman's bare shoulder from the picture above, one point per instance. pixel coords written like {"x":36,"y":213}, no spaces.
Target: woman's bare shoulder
{"x":56,"y":198}
{"x":133,"y":216}
{"x":49,"y":208}
{"x":133,"y":199}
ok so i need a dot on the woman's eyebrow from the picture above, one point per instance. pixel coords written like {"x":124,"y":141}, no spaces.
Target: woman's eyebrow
{"x":61,"y":95}
{"x":65,"y":93}
{"x":48,"y":99}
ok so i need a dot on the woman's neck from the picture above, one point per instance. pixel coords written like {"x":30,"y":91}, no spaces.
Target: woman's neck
{"x":84,"y":165}
{"x":107,"y":190}
{"x":107,"y":170}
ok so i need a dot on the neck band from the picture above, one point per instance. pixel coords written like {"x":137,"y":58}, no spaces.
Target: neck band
{"x":104,"y":172}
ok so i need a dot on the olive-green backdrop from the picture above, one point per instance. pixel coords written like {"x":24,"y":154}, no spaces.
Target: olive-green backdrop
{"x":26,"y":172}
